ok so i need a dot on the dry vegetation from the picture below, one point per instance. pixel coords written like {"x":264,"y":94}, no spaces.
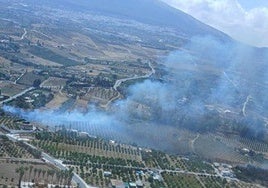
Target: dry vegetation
{"x":57,"y":101}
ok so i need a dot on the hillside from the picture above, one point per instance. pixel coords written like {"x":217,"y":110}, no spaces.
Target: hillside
{"x":152,"y":12}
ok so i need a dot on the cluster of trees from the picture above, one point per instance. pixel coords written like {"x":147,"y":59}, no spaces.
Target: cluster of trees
{"x":196,"y":164}
{"x":66,"y":137}
{"x":50,"y":142}
{"x":38,"y":102}
{"x":156,"y":159}
{"x":251,"y":173}
{"x":82,"y":158}
{"x":36,"y":153}
{"x":180,"y":180}
{"x":61,"y":177}
{"x":249,"y":127}
{"x":11,"y":149}
{"x":215,"y":182}
{"x":9,"y":47}
{"x":105,"y":81}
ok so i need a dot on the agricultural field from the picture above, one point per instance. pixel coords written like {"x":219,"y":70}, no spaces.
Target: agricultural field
{"x":54,"y":143}
{"x":201,"y":181}
{"x":9,"y":149}
{"x":38,"y":61}
{"x":76,"y":60}
{"x":34,"y":171}
{"x":81,"y":105}
{"x":96,"y":174}
{"x":10,"y":89}
{"x":160,"y":160}
{"x":180,"y":180}
{"x":54,"y":83}
{"x":92,"y":158}
{"x":217,"y":150}
{"x":51,"y":55}
{"x":58,"y":100}
{"x":33,"y":99}
{"x":29,"y":77}
{"x":11,"y":122}
{"x":11,"y":71}
{"x":21,"y":164}
{"x":231,"y":149}
{"x":101,"y":95}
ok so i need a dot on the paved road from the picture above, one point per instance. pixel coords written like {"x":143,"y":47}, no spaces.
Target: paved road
{"x":83,"y":184}
{"x":120,"y":81}
{"x":76,"y":178}
{"x":16,"y":96}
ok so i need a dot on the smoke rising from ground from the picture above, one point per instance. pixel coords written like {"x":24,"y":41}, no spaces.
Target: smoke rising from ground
{"x":204,"y":80}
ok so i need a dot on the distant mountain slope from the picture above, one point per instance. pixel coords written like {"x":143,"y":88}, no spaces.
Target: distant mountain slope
{"x":152,"y":12}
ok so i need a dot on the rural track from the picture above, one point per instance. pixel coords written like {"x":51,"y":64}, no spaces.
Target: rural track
{"x":193,"y":141}
{"x":15,"y":82}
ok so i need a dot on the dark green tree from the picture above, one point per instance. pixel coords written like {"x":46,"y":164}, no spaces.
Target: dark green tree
{"x":36,"y":82}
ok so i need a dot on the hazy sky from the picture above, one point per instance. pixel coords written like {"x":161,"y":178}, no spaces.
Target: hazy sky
{"x":244,"y":20}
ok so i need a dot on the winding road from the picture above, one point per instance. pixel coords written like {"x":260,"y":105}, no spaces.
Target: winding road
{"x":120,"y":81}
{"x":24,"y":34}
{"x":245,"y":105}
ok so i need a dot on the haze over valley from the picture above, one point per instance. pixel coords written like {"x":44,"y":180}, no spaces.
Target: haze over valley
{"x":113,"y":72}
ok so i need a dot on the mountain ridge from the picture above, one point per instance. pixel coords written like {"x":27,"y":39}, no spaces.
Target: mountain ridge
{"x":153,"y":12}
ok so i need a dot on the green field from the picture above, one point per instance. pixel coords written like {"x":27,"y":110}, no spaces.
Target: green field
{"x":48,"y":54}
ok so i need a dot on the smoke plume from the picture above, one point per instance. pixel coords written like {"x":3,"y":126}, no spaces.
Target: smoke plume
{"x":207,"y":82}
